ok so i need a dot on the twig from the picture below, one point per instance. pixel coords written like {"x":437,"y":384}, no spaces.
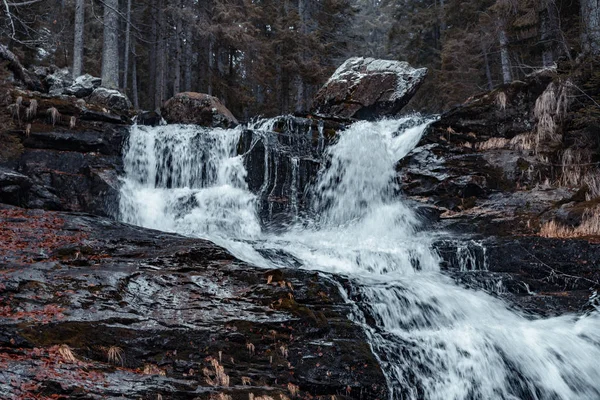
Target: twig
{"x":557,"y":273}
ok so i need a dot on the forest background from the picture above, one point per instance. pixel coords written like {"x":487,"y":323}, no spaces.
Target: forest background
{"x":269,"y":57}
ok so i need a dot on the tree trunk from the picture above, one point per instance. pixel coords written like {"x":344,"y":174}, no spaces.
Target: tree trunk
{"x":443,"y":25}
{"x":549,"y":26}
{"x":187,"y":50}
{"x":302,"y":11}
{"x":177,"y":63}
{"x":488,"y":73}
{"x":159,"y":94}
{"x":110,"y":49}
{"x":300,"y":95}
{"x":127,"y":44}
{"x":590,"y":27}
{"x":153,"y":44}
{"x":504,"y":56}
{"x":211,"y":66}
{"x":134,"y":86}
{"x":78,"y":41}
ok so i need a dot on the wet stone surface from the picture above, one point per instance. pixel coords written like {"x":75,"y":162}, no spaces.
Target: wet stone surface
{"x":92,"y":308}
{"x":539,"y":276}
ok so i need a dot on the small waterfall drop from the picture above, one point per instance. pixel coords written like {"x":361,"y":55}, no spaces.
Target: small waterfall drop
{"x":435,"y":339}
{"x":188,"y":180}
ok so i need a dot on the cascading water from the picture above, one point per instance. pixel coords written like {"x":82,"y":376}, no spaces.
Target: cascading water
{"x":188,"y":180}
{"x":435,"y":340}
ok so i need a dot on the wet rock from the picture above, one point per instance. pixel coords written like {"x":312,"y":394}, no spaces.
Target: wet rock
{"x":282,"y":160}
{"x":483,"y":167}
{"x":149,"y":118}
{"x":36,"y":107}
{"x":41,"y":71}
{"x":66,"y":168}
{"x":366,"y":88}
{"x":103,"y":309}
{"x":13,"y":187}
{"x":74,"y":171}
{"x":83,"y":86}
{"x":112,"y":100}
{"x":501,"y":113}
{"x":540,"y":276}
{"x":197,"y":108}
{"x":58,"y":81}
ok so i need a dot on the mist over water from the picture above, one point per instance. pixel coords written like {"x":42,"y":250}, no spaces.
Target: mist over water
{"x":435,"y":340}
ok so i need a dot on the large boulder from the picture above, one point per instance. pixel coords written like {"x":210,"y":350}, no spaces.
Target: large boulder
{"x":198,"y":108}
{"x":111,"y":99}
{"x":83,"y":86}
{"x":366,"y":88}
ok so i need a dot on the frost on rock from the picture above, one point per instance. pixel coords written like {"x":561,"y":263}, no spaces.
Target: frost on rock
{"x":367,"y":88}
{"x":83,"y":86}
{"x":111,"y":99}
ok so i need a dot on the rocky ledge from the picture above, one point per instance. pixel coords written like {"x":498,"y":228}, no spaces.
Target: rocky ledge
{"x":512,"y":175}
{"x":92,"y":308}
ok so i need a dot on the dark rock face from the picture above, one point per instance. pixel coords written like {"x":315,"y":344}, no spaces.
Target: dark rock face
{"x":144,"y":313}
{"x":71,"y":165}
{"x":13,"y":187}
{"x":502,"y":113}
{"x":33,"y":107}
{"x":197,"y":108}
{"x":482,"y":174}
{"x":541,"y":276}
{"x":148,"y":118}
{"x":483,"y":166}
{"x":366,"y":88}
{"x":282,"y":161}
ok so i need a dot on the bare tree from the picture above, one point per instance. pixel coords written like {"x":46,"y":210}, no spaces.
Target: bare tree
{"x":161,"y":57}
{"x":187,"y":59}
{"x":110,"y":49}
{"x":78,"y":41}
{"x":134,"y":86}
{"x":590,"y":29}
{"x":178,"y":50}
{"x":127,"y":47}
{"x":504,"y":56}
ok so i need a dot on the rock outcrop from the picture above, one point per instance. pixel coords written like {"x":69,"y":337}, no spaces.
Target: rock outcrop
{"x":197,"y":108}
{"x":110,"y":99}
{"x":110,"y":310}
{"x":30,"y":80}
{"x":506,"y":161}
{"x":84,"y":85}
{"x":58,"y":81}
{"x":510,"y":174}
{"x":366,"y":88}
{"x":60,"y":153}
{"x":540,"y":276}
{"x":283,"y":158}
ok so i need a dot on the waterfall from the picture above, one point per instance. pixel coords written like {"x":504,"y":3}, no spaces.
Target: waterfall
{"x":435,"y":339}
{"x":188,"y":180}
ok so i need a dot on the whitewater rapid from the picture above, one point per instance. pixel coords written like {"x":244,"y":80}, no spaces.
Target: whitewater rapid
{"x":435,"y":340}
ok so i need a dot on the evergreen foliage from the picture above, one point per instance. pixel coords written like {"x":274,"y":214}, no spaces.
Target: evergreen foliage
{"x":267,"y":57}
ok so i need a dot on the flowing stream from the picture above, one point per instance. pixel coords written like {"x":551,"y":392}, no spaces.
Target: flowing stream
{"x":435,"y":340}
